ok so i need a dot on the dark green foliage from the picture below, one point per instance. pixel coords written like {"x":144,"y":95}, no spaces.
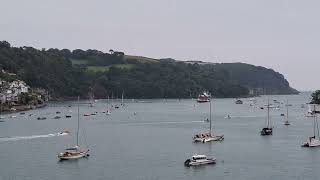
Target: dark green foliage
{"x":315,"y":97}
{"x":52,"y":69}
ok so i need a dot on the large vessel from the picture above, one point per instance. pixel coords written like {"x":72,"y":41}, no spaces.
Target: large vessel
{"x":209,"y":136}
{"x":197,"y":160}
{"x":204,"y":97}
{"x":75,"y":152}
{"x":313,"y":141}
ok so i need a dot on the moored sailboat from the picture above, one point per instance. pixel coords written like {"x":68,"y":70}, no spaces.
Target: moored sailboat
{"x":74,"y":152}
{"x":209,"y":136}
{"x":268,"y":129}
{"x":313,"y":141}
{"x":286,"y":122}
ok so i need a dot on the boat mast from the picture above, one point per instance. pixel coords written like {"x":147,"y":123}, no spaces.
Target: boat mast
{"x":122,"y":98}
{"x":287,"y":111}
{"x":210,"y":118}
{"x":268,"y":114}
{"x":314,"y":120}
{"x":78,"y":123}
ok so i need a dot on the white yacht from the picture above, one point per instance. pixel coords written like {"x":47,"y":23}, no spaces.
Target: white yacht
{"x":197,"y":160}
{"x":75,"y":152}
{"x":313,"y":141}
{"x":209,"y":136}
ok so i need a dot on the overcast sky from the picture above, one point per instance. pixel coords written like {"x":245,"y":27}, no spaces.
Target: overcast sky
{"x":278,"y":34}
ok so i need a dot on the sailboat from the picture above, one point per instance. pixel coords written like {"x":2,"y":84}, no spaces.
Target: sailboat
{"x":74,"y":152}
{"x":208,"y":137}
{"x":267,"y":130}
{"x":286,"y":122}
{"x":313,"y":141}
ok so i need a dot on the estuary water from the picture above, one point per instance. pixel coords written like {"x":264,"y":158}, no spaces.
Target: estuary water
{"x":151,"y":139}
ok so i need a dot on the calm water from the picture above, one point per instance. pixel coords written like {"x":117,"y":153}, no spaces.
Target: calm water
{"x":154,"y":143}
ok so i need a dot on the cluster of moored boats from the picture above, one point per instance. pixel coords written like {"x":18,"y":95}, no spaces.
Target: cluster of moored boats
{"x":313,"y":141}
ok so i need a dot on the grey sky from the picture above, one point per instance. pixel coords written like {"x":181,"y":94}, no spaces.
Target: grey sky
{"x":279,"y":34}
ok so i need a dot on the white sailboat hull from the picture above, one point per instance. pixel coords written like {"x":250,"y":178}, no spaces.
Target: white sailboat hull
{"x":311,"y":142}
{"x":82,"y":154}
{"x":203,"y":162}
{"x":209,"y":139}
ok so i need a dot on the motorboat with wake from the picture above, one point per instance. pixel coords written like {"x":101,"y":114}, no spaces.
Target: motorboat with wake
{"x":197,"y":160}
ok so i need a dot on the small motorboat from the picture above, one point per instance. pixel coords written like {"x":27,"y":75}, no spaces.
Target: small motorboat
{"x":86,"y":114}
{"x":68,"y":116}
{"x":41,"y":118}
{"x":108,"y":113}
{"x":22,"y":113}
{"x":58,"y":112}
{"x":197,"y":160}
{"x":57,"y":117}
{"x":311,"y":142}
{"x":13,"y":116}
{"x":239,"y":101}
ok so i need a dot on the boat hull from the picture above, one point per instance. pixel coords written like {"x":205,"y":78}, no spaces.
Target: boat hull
{"x":209,"y":139}
{"x":189,"y":162}
{"x":311,"y":142}
{"x":72,"y":157}
{"x":266,"y":132}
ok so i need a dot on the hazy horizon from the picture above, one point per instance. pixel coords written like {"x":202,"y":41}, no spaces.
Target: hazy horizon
{"x":281,"y":35}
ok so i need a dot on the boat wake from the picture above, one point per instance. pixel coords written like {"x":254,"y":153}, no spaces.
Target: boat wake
{"x":18,"y":138}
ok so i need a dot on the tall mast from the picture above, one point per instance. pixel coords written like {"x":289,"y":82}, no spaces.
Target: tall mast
{"x":287,"y":111}
{"x":78,"y":123}
{"x":122,"y":98}
{"x":210,"y":118}
{"x":314,"y":120}
{"x":268,"y":114}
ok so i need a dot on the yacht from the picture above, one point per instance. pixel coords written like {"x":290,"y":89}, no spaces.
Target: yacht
{"x":204,"y":97}
{"x":209,"y":136}
{"x":313,"y":141}
{"x":75,"y":152}
{"x":197,"y":160}
{"x":268,"y":129}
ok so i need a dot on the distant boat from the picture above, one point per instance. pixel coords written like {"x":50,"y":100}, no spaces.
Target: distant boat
{"x":57,"y":117}
{"x":68,"y":116}
{"x":41,"y":118}
{"x":268,"y":129}
{"x":286,"y":122}
{"x":75,"y":152}
{"x":208,"y":137}
{"x":313,"y":141}
{"x":204,"y":97}
{"x":239,"y":101}
{"x":197,"y":160}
